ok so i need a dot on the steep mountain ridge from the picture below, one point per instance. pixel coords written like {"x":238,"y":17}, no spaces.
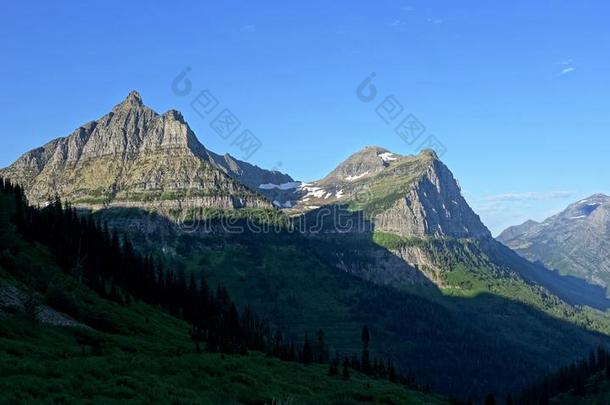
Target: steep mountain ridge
{"x":131,"y":156}
{"x":576,"y":241}
{"x":404,"y":195}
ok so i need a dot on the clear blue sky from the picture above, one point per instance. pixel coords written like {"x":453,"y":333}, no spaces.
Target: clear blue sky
{"x":517,"y":91}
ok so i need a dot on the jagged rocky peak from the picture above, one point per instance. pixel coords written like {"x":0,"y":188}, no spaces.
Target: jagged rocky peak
{"x":404,"y":195}
{"x":584,"y":208}
{"x":366,"y":162}
{"x":517,"y":230}
{"x":575,"y":241}
{"x":432,"y":204}
{"x":133,"y":100}
{"x":130,"y":156}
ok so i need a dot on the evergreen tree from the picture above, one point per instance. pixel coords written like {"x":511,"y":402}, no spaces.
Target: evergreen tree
{"x":345,"y":373}
{"x":366,"y":361}
{"x":307,"y":355}
{"x":321,"y":351}
{"x":108,"y":263}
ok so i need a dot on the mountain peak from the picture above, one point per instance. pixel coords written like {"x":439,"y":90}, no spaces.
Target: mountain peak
{"x":429,"y":152}
{"x":372,"y":149}
{"x":574,"y":241}
{"x":174,"y":115}
{"x":133,"y":100}
{"x":134,"y":97}
{"x":367,"y":161}
{"x":597,"y":197}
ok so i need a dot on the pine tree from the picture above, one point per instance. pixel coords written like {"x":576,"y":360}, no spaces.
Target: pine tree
{"x":366,"y":361}
{"x":490,"y":400}
{"x":332,"y":368}
{"x":307,"y":355}
{"x":345,"y":368}
{"x":321,"y":351}
{"x":391,"y":371}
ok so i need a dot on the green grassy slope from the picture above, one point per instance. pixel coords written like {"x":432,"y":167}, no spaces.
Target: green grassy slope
{"x":489,"y":332}
{"x":139,"y":354}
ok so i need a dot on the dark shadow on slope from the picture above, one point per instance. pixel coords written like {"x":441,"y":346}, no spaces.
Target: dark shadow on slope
{"x":338,"y":219}
{"x":573,"y":290}
{"x":461,"y":346}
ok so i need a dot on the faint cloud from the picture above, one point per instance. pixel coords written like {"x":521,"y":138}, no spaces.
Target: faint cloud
{"x":248,"y":28}
{"x":528,"y":196}
{"x":435,"y":20}
{"x":399,"y":25}
{"x":566,"y":67}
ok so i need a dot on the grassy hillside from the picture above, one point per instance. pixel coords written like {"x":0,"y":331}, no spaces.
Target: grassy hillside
{"x":470,"y":339}
{"x":135,"y":353}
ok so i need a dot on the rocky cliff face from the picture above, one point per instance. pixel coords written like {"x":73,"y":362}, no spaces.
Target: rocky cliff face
{"x":403,"y":195}
{"x":131,"y":156}
{"x":134,"y":157}
{"x":432,"y":206}
{"x":576,"y":241}
{"x":254,"y":177}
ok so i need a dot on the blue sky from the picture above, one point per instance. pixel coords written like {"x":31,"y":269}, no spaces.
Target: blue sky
{"x":517,"y":92}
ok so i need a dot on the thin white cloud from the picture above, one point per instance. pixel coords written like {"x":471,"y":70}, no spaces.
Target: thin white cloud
{"x":567,"y":67}
{"x":567,"y":70}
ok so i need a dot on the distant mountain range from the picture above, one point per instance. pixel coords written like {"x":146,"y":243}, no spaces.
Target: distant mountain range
{"x":575,"y":242}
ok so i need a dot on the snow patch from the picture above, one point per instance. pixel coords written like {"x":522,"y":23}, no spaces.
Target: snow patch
{"x":356,"y":177}
{"x":387,"y":156}
{"x":312,"y":191}
{"x":339,"y":194}
{"x":284,"y":186}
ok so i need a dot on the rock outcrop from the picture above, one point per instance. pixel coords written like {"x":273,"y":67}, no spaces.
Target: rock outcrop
{"x":403,"y":195}
{"x":576,"y":241}
{"x":131,"y":157}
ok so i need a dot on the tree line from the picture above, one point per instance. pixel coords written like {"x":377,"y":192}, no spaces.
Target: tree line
{"x":571,"y":379}
{"x":108,"y":263}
